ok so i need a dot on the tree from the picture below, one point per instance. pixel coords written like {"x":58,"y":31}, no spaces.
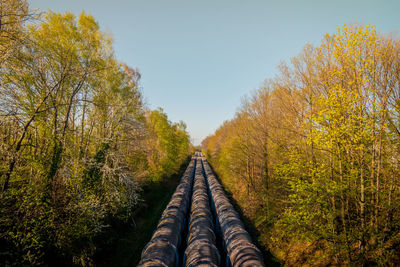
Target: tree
{"x":324,"y":133}
{"x":168,"y":144}
{"x":13,"y":15}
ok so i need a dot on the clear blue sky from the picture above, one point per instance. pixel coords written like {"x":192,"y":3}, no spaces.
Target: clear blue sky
{"x":199,"y":58}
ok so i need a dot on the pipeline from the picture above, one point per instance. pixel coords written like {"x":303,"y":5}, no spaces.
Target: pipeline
{"x":201,"y":247}
{"x":239,"y":247}
{"x":215,"y":235}
{"x":162,"y":249}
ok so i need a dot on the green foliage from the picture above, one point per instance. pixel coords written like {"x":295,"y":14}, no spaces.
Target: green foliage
{"x":313,"y":155}
{"x":76,"y":141}
{"x":169,"y":143}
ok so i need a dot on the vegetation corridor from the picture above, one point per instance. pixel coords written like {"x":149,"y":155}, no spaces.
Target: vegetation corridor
{"x":310,"y":161}
{"x":199,"y":226}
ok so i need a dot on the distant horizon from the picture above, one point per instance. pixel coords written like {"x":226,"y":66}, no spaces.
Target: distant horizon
{"x":199,"y":59}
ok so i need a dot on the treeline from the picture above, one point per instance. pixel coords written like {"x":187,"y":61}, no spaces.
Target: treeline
{"x":76,"y":139}
{"x":313,"y":156}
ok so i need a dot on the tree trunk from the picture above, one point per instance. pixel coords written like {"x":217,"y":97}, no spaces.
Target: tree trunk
{"x":14,"y":158}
